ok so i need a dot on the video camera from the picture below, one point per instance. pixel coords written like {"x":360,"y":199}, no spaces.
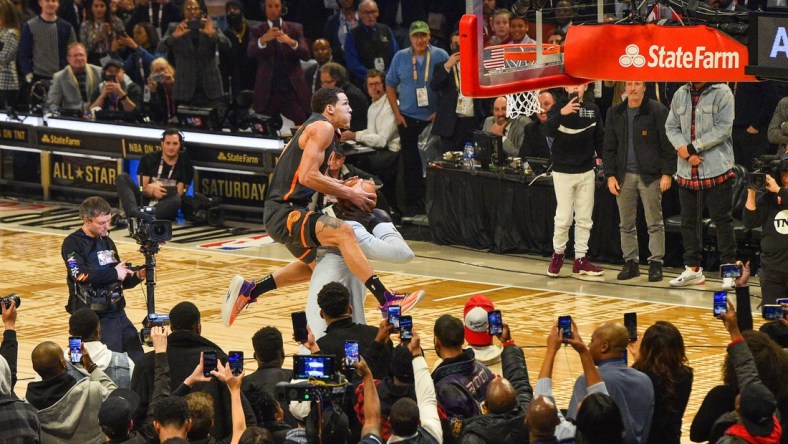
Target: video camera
{"x":763,"y":165}
{"x":11,"y":297}
{"x":150,"y":321}
{"x":146,"y":229}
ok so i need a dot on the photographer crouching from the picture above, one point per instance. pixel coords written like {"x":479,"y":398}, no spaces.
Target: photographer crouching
{"x":96,"y":277}
{"x":768,"y":208}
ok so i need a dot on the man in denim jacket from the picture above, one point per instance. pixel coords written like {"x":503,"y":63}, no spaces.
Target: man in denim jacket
{"x":699,"y":126}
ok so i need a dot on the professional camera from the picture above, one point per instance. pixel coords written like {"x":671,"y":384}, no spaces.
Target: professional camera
{"x":763,"y":165}
{"x":100,"y":299}
{"x":146,"y":229}
{"x":150,"y":321}
{"x":11,"y":297}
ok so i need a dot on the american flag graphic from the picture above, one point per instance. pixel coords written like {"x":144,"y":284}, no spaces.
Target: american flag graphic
{"x":492,"y":57}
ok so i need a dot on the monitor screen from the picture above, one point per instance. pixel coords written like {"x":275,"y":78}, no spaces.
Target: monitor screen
{"x":198,"y":118}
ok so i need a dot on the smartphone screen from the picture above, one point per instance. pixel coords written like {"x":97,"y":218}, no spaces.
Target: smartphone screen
{"x":406,"y":328}
{"x":631,"y":322}
{"x":75,"y":347}
{"x":720,"y":303}
{"x":730,"y":271}
{"x":351,"y":353}
{"x":394,"y":311}
{"x":772,"y":312}
{"x":494,"y":322}
{"x":565,"y":327}
{"x":235,"y":359}
{"x":299,"y":326}
{"x":208,"y":362}
{"x":313,"y":366}
{"x":782,"y":301}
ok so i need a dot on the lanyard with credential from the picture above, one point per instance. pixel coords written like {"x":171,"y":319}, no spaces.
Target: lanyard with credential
{"x":426,"y":68}
{"x":456,"y":70}
{"x":161,"y":167}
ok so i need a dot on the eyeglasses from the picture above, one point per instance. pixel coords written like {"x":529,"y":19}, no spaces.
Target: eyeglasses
{"x":373,"y":12}
{"x":374,"y":83}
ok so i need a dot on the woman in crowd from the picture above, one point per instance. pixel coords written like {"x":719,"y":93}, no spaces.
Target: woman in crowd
{"x":599,"y":421}
{"x":662,"y":357}
{"x":161,"y":106}
{"x":9,"y":44}
{"x":98,"y":31}
{"x":772,"y":364}
{"x":139,"y":51}
{"x":193,"y":44}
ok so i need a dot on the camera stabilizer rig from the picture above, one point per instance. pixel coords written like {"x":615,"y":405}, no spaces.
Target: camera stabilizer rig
{"x":150,"y":233}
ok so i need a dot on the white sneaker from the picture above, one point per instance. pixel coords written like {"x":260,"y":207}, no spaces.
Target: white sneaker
{"x":688,"y":277}
{"x":728,"y":284}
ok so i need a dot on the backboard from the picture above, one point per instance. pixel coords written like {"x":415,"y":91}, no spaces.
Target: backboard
{"x":506,"y":69}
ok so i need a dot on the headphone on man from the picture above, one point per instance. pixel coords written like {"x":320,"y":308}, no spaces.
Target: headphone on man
{"x":181,"y":137}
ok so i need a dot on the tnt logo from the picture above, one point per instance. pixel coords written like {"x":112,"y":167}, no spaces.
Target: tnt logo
{"x":781,"y":222}
{"x":632,"y":57}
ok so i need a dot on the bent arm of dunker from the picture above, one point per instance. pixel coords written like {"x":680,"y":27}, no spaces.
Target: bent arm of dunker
{"x":318,"y":138}
{"x":384,"y":244}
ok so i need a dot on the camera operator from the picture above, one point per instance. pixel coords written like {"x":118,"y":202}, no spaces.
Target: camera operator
{"x":769,"y":210}
{"x":118,"y":93}
{"x":96,"y":277}
{"x":778,"y":127}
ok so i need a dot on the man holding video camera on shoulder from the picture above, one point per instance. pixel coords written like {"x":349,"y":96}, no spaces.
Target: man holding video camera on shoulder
{"x":96,"y":277}
{"x":769,"y":209}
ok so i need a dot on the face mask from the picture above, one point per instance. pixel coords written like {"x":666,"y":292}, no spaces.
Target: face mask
{"x":234,"y":19}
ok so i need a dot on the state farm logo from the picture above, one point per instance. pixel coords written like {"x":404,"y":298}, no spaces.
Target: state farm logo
{"x":660,"y":57}
{"x":632,"y":57}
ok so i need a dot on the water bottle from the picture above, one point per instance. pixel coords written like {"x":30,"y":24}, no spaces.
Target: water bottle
{"x":467,"y":156}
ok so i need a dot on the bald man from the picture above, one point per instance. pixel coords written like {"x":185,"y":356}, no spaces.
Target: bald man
{"x":511,"y":128}
{"x":631,"y":389}
{"x":507,"y":400}
{"x":67,"y":408}
{"x":541,"y":421}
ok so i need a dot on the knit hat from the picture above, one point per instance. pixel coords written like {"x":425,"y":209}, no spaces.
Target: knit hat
{"x":756,"y":409}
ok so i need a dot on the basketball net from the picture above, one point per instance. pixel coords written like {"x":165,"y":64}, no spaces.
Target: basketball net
{"x":523,"y":103}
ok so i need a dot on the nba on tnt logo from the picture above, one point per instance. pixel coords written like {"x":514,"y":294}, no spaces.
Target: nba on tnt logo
{"x":632,"y":57}
{"x":781,"y":222}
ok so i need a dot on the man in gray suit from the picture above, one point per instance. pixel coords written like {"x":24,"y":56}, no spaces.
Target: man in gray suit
{"x":77,"y":85}
{"x":511,"y":129}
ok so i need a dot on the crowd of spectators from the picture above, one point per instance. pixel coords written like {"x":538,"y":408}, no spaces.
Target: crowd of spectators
{"x":479,"y":394}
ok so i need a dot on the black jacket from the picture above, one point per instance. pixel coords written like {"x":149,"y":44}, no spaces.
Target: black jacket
{"x":577,"y":137}
{"x":506,"y":427}
{"x":774,"y":246}
{"x":654,"y":153}
{"x":534,"y":142}
{"x":376,"y":354}
{"x":183,"y":354}
{"x":446,"y":116}
{"x":91,"y":261}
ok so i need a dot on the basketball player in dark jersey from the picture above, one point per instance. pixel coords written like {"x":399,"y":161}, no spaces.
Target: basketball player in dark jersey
{"x":299,"y":173}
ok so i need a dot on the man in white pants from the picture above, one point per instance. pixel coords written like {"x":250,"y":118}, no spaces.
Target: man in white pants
{"x":577,"y":131}
{"x":379,"y":240}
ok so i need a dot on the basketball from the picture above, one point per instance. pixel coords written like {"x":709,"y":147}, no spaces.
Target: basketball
{"x":366,"y":185}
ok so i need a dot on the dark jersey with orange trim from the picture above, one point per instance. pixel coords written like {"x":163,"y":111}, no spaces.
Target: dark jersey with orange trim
{"x":285,"y":186}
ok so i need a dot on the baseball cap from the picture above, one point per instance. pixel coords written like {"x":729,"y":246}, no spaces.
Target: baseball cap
{"x":113,"y":62}
{"x":401,"y":364}
{"x":419,"y":26}
{"x":117,"y":411}
{"x":475,"y":317}
{"x":756,"y":409}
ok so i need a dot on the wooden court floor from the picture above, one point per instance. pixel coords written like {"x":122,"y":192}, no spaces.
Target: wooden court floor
{"x":30,"y":265}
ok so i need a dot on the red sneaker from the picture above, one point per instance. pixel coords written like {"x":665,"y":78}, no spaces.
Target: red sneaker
{"x":584,"y":266}
{"x":556,"y":262}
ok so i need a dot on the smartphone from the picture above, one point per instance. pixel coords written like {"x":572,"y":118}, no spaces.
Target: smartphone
{"x":782,"y":301}
{"x":195,"y":25}
{"x":494,"y":322}
{"x":277,"y":23}
{"x":631,"y":323}
{"x":157,"y":77}
{"x":351,"y":353}
{"x":405,"y":328}
{"x":575,"y":96}
{"x":313,"y":366}
{"x":208,"y":362}
{"x":772,"y":312}
{"x":235,"y":359}
{"x":75,"y":347}
{"x":730,"y":271}
{"x":720,"y":303}
{"x":300,"y":332}
{"x":394,"y":312}
{"x":565,"y":327}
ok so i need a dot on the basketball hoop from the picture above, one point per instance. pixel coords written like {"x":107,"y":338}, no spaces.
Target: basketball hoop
{"x":524,"y":103}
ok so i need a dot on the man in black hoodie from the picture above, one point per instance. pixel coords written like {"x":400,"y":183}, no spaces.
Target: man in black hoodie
{"x":184,"y":350}
{"x":577,"y":131}
{"x":96,"y":277}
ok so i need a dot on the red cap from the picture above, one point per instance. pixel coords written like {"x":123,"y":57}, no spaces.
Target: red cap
{"x":476,"y":324}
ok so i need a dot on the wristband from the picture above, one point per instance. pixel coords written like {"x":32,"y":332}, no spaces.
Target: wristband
{"x":508,"y":343}
{"x":92,"y":367}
